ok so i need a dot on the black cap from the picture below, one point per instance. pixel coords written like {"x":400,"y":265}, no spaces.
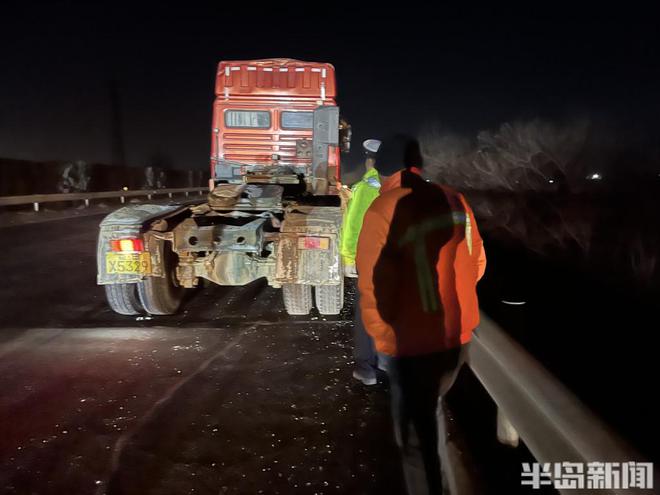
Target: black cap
{"x":399,"y":151}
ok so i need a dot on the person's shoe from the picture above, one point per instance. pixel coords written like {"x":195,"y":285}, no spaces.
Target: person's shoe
{"x":366,"y":377}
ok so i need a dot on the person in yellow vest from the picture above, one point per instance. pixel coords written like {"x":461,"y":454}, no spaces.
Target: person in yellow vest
{"x":363,"y":193}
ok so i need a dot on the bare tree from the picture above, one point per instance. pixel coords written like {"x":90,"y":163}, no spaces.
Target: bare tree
{"x":522,"y":156}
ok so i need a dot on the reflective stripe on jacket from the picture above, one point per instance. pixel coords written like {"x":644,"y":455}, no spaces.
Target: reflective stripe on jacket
{"x":363,"y":194}
{"x":419,"y":256}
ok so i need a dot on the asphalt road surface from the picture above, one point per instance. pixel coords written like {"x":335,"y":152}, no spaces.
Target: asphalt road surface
{"x":230,"y":396}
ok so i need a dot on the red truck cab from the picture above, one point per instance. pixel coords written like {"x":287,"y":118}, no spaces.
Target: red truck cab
{"x":264,"y":118}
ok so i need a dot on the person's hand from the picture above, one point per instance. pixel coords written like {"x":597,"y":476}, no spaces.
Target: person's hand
{"x":345,"y":192}
{"x":344,"y":196}
{"x":350,"y":271}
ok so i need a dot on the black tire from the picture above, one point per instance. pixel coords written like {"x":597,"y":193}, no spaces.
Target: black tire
{"x":330,"y":298}
{"x":161,"y":295}
{"x":297,"y":298}
{"x":123,"y":299}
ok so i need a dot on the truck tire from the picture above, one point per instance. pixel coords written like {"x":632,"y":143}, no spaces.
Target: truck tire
{"x":297,"y":298}
{"x":162,"y":295}
{"x":123,"y":299}
{"x":330,"y":298}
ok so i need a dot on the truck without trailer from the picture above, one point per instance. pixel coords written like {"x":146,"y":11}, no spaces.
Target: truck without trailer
{"x":272,"y":211}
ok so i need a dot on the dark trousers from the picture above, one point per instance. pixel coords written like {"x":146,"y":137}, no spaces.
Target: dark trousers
{"x":417,"y":385}
{"x":364,"y":351}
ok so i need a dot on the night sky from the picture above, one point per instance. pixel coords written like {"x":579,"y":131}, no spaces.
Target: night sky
{"x":398,"y":69}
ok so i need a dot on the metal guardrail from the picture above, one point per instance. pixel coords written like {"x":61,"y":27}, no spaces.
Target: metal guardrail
{"x":554,"y":424}
{"x":37,"y":199}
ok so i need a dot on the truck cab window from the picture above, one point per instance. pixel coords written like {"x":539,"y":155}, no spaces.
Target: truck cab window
{"x":297,"y":120}
{"x":247,"y":118}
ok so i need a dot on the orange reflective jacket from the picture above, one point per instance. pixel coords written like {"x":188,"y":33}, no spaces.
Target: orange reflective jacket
{"x":419,"y":257}
{"x":393,"y":181}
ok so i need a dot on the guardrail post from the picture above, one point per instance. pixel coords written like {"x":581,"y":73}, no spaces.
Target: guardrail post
{"x":200,"y":192}
{"x":506,"y":433}
{"x":36,"y":206}
{"x":122,"y":199}
{"x":148,"y":196}
{"x":186,"y":193}
{"x":169,"y":194}
{"x":87,"y":203}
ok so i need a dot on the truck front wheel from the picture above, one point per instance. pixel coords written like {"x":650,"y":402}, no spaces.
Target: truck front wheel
{"x":162,"y":295}
{"x":330,"y":298}
{"x":297,"y":298}
{"x":123,"y":299}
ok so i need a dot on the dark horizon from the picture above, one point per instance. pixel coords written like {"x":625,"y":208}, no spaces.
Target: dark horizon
{"x":97,"y":82}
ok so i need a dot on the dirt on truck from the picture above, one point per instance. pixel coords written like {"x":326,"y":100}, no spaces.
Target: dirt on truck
{"x":272,"y":211}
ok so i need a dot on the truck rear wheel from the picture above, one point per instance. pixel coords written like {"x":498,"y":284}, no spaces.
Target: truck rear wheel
{"x":162,"y":295}
{"x":330,"y":298}
{"x":123,"y":299}
{"x":297,"y":298}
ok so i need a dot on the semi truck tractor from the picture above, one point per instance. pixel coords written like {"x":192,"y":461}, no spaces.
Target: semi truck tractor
{"x":272,"y":212}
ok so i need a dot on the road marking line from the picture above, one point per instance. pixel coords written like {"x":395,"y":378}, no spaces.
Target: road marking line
{"x":124,"y":439}
{"x":28,"y":339}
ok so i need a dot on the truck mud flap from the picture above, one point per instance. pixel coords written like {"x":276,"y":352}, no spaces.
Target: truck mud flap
{"x":308,"y":247}
{"x":297,"y":264}
{"x":130,"y":222}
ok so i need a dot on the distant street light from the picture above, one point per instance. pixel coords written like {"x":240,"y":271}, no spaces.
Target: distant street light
{"x":594,"y":176}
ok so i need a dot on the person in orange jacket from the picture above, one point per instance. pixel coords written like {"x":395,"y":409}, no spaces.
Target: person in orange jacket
{"x":420,"y":257}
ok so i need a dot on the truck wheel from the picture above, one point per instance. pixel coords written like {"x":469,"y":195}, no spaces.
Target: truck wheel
{"x":330,"y":298}
{"x":123,"y":299}
{"x":297,"y":298}
{"x":162,"y":295}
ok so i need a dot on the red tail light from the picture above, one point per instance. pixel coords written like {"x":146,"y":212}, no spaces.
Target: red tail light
{"x":127,"y":245}
{"x":333,"y":160}
{"x":313,"y":243}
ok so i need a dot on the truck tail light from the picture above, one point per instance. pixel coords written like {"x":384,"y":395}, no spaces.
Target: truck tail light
{"x":333,"y":161}
{"x":127,"y":245}
{"x":313,"y":243}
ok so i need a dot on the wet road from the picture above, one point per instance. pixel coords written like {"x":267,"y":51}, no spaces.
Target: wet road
{"x":230,"y":396}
